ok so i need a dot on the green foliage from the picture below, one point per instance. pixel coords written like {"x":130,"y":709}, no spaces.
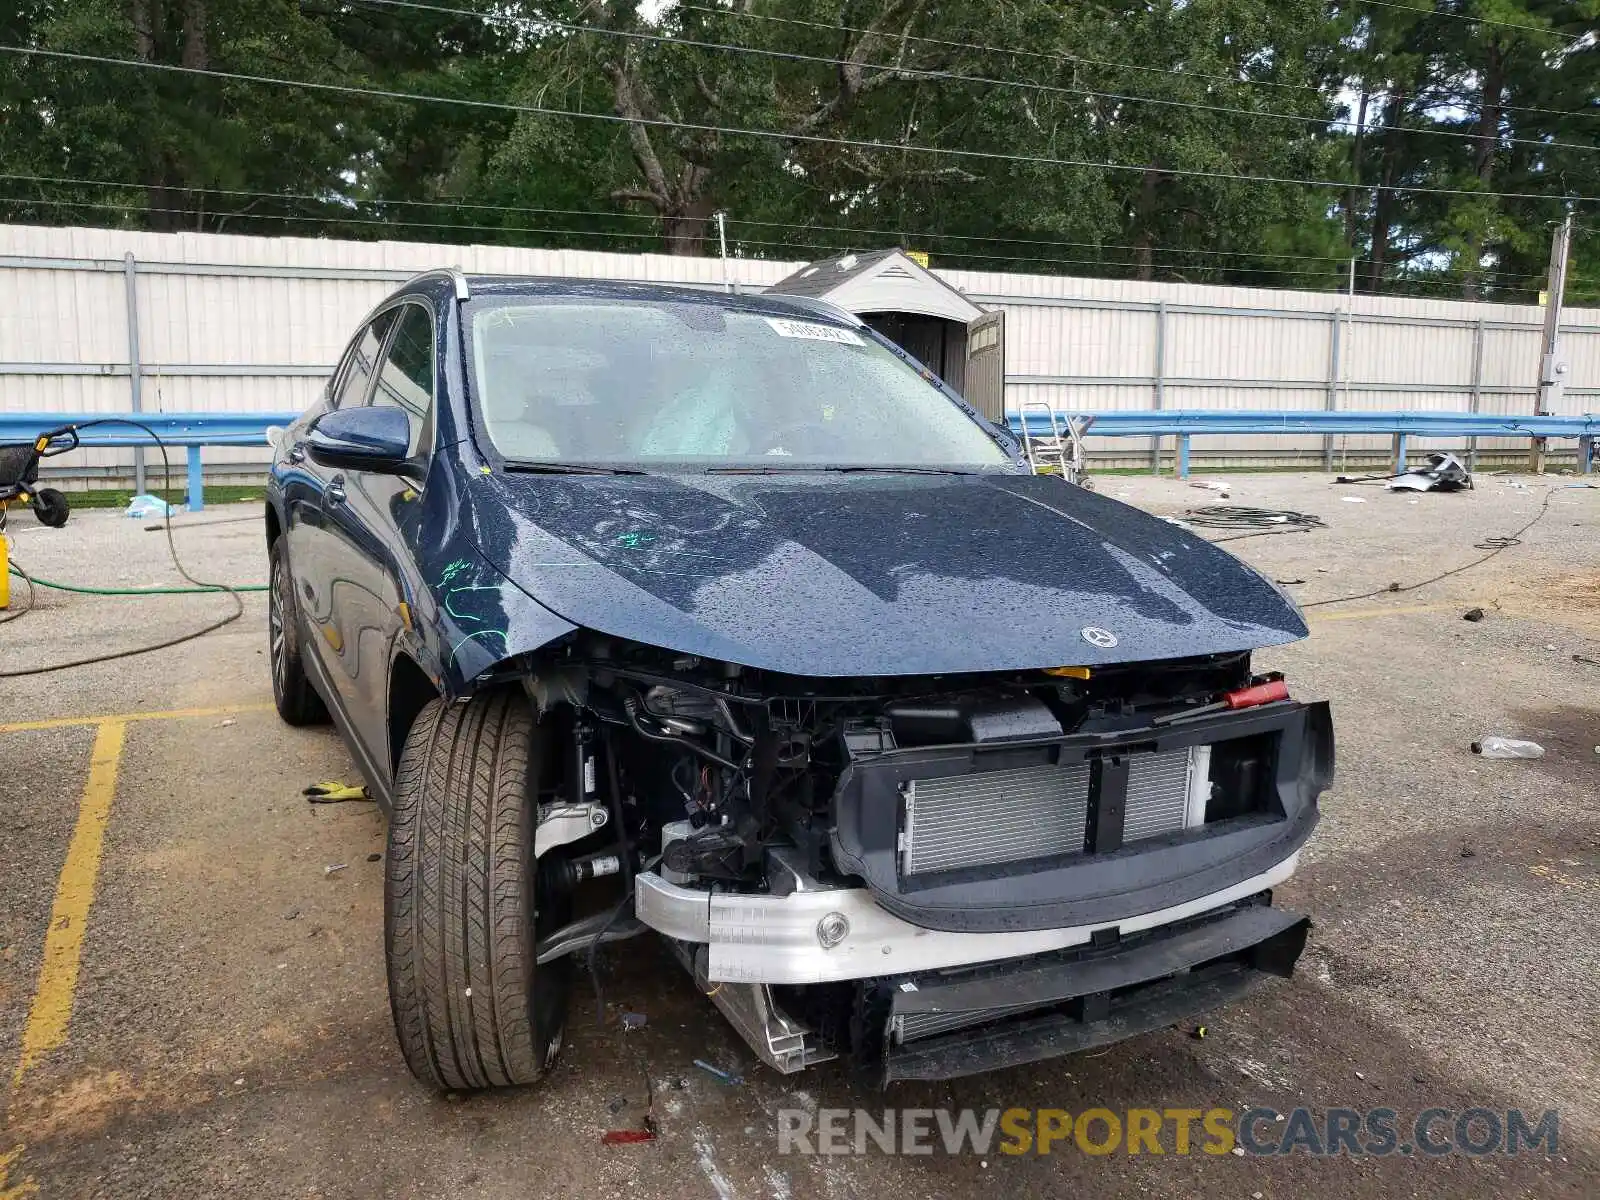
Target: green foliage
{"x":1183,"y":95}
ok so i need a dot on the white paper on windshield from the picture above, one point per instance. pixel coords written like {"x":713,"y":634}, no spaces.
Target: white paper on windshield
{"x":813,"y":332}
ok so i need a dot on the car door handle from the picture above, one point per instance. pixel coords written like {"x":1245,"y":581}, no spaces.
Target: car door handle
{"x":297,"y":452}
{"x":335,"y":490}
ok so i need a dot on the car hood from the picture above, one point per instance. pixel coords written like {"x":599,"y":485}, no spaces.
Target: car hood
{"x":845,"y":574}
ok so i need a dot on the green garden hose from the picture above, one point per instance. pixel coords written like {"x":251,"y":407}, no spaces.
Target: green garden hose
{"x":154,"y":591}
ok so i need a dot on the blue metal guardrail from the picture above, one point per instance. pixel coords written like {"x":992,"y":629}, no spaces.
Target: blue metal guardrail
{"x":1185,"y":423}
{"x":189,"y":430}
{"x":196,"y":430}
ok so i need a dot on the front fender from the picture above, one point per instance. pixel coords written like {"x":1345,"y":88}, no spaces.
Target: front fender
{"x":468,"y":618}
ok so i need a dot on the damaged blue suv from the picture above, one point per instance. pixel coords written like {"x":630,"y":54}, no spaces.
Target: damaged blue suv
{"x":654,"y":610}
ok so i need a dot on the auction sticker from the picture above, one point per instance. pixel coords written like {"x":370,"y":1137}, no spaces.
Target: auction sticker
{"x":813,"y":332}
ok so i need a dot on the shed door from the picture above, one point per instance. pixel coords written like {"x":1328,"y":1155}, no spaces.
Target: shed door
{"x":985,"y":386}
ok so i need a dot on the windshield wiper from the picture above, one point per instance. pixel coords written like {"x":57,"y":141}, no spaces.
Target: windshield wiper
{"x":531,"y":467}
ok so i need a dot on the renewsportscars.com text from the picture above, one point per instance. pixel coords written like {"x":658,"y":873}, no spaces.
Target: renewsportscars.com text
{"x":1256,"y":1132}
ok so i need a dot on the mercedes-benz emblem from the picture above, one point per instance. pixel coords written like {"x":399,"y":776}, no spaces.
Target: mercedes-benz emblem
{"x":1096,"y":636}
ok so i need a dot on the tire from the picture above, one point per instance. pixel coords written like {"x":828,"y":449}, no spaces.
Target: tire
{"x":471,"y":1007}
{"x":297,"y":701}
{"x":51,"y":507}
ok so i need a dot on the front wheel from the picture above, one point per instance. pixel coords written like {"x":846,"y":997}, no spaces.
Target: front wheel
{"x":471,"y":1007}
{"x":297,"y":701}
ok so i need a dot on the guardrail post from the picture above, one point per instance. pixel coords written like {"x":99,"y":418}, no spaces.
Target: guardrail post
{"x":1586,"y":454}
{"x":1159,"y":393}
{"x":130,"y":293}
{"x":1477,"y":390}
{"x":197,"y":482}
{"x":1335,"y":336}
{"x":1399,"y":454}
{"x":1183,"y":456}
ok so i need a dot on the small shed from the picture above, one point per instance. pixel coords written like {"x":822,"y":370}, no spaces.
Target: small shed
{"x":915,"y":309}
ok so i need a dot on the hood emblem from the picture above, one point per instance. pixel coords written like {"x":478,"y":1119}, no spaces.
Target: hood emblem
{"x":1096,"y":636}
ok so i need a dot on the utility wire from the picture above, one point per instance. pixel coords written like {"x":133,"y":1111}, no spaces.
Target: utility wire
{"x":343,"y":214}
{"x":1073,"y":60}
{"x":331,"y":219}
{"x":1454,"y":16}
{"x":927,"y":73}
{"x":342,"y":203}
{"x":779,"y":135}
{"x":1240,"y":268}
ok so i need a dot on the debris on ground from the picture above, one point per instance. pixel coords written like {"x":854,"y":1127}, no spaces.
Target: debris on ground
{"x":1444,"y":473}
{"x":1354,"y":499}
{"x":329,"y":870}
{"x":1497,"y":746}
{"x":632,"y":1021}
{"x":629,"y":1137}
{"x":374,"y":858}
{"x":718,"y":1072}
{"x":145,"y":505}
{"x":334,"y":791}
{"x":617,"y":1104}
{"x":1584,"y":658}
{"x":1473,"y":614}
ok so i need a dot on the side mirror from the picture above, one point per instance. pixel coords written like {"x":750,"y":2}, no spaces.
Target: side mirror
{"x":362,"y":439}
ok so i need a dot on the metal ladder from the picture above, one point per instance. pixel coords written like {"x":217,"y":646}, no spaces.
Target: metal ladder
{"x":1060,"y":452}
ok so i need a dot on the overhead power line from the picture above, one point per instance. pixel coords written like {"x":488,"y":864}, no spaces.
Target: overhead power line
{"x":1432,"y":11}
{"x":908,"y":72}
{"x":328,"y":219}
{"x":1062,"y":58}
{"x":1237,"y":268}
{"x":345,"y":209}
{"x":778,"y":135}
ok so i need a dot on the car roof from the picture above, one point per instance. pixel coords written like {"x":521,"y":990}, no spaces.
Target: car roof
{"x":536,"y":287}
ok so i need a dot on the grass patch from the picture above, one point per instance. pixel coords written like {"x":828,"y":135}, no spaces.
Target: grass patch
{"x":216,"y":493}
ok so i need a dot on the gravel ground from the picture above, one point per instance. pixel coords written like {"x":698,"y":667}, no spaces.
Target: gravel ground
{"x":230,"y":1030}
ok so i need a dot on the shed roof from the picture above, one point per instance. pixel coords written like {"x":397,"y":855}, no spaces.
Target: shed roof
{"x":879,"y":281}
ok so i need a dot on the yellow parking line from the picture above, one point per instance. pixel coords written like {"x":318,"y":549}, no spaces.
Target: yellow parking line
{"x":69,"y":915}
{"x":169,"y":714}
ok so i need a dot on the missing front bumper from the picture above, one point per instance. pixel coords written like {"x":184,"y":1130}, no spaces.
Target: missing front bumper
{"x":950,"y":1025}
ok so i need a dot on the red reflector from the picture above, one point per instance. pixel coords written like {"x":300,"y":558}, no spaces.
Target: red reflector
{"x":1261,"y":693}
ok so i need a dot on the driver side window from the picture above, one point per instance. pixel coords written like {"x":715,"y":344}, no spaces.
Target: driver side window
{"x":405,"y":380}
{"x":360,"y":362}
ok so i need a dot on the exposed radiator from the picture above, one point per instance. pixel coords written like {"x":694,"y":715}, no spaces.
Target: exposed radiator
{"x":908,"y":1027}
{"x":994,"y":817}
{"x":989,"y":818}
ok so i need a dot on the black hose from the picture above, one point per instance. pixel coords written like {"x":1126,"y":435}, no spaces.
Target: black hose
{"x":631,"y":705}
{"x":614,"y":803}
{"x":172,"y":550}
{"x":1256,"y":522}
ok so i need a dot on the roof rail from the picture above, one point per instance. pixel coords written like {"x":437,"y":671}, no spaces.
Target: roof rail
{"x":456,"y":277}
{"x":816,"y":304}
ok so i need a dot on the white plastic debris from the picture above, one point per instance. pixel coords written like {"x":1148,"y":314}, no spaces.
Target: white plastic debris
{"x":1496,"y":746}
{"x":1354,"y":499}
{"x":145,"y":505}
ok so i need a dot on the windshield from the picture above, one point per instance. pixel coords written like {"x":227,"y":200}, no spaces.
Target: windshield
{"x":641,"y":383}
